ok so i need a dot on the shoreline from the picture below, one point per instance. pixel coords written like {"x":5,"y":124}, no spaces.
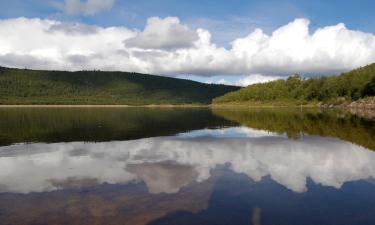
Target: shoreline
{"x":368,"y":113}
{"x":192,"y":106}
{"x":104,"y":106}
{"x":352,"y":106}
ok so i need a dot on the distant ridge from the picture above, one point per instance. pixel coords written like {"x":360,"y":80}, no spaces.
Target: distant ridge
{"x":24,"y":86}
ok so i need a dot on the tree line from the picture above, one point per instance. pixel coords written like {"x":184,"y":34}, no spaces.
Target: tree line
{"x":350,"y":86}
{"x":21,"y":86}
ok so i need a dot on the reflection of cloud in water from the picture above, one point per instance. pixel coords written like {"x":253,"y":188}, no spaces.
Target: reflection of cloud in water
{"x":228,"y":132}
{"x":167,"y":164}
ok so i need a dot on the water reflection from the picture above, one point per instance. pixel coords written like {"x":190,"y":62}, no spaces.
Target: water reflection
{"x":169,"y":163}
{"x":186,"y":166}
{"x":296,"y":122}
{"x":20,"y":125}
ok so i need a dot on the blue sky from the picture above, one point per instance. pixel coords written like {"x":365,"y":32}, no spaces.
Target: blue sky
{"x":226,"y":17}
{"x":225,"y":20}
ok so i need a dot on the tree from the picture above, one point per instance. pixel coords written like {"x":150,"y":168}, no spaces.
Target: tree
{"x":370,"y":88}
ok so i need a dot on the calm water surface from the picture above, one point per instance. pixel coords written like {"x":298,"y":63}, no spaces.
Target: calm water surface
{"x":186,"y":166}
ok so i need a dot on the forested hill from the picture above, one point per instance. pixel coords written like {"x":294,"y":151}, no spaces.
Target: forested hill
{"x":21,"y":86}
{"x":341,"y":89}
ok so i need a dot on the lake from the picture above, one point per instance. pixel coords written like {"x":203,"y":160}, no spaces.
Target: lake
{"x":186,"y":166}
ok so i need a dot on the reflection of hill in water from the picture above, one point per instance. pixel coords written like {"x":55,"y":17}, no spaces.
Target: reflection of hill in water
{"x":109,"y":204}
{"x":99,"y":124}
{"x":296,"y":122}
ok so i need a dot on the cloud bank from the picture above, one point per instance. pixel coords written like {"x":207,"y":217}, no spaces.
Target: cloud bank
{"x":168,"y":47}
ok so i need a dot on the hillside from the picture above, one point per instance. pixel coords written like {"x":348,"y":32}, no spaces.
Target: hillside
{"x":21,"y":86}
{"x":343,"y":88}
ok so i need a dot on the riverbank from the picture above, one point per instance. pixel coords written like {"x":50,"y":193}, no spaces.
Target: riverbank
{"x":269,"y":104}
{"x":362,"y":104}
{"x":104,"y":106}
{"x":363,"y":107}
{"x":367,"y":103}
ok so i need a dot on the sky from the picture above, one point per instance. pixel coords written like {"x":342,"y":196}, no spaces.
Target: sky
{"x":215,"y":41}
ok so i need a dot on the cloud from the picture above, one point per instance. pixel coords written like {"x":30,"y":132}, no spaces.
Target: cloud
{"x":167,"y":33}
{"x":248,"y":80}
{"x":73,"y":28}
{"x":169,"y":163}
{"x":292,"y":48}
{"x":88,"y":7}
{"x":168,"y":47}
{"x":54,"y":44}
{"x":227,"y":28}
{"x":256,"y":78}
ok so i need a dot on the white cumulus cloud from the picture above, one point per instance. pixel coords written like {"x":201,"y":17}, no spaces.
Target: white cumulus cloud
{"x":168,"y":47}
{"x":166,"y":33}
{"x":292,"y":48}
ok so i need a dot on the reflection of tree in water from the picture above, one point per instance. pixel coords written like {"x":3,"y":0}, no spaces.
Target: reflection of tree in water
{"x":296,"y":122}
{"x":99,"y":124}
{"x":256,"y":217}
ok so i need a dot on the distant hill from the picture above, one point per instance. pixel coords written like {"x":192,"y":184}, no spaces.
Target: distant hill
{"x":346,"y":87}
{"x":22,"y":86}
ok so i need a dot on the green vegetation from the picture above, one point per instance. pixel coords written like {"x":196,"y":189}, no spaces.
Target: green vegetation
{"x":295,"y":123}
{"x":346,"y":87}
{"x":21,"y":86}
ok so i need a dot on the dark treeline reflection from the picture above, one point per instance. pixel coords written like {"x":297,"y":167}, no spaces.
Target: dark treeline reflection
{"x":18,"y":125}
{"x":296,"y":122}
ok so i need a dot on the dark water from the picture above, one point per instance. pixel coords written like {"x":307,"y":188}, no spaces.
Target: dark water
{"x":186,"y":166}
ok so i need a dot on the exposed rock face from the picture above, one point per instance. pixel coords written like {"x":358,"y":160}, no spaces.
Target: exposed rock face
{"x":366,"y":103}
{"x":363,"y":107}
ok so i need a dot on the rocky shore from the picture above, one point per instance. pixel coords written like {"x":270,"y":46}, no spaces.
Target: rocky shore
{"x":363,"y":107}
{"x":366,"y":103}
